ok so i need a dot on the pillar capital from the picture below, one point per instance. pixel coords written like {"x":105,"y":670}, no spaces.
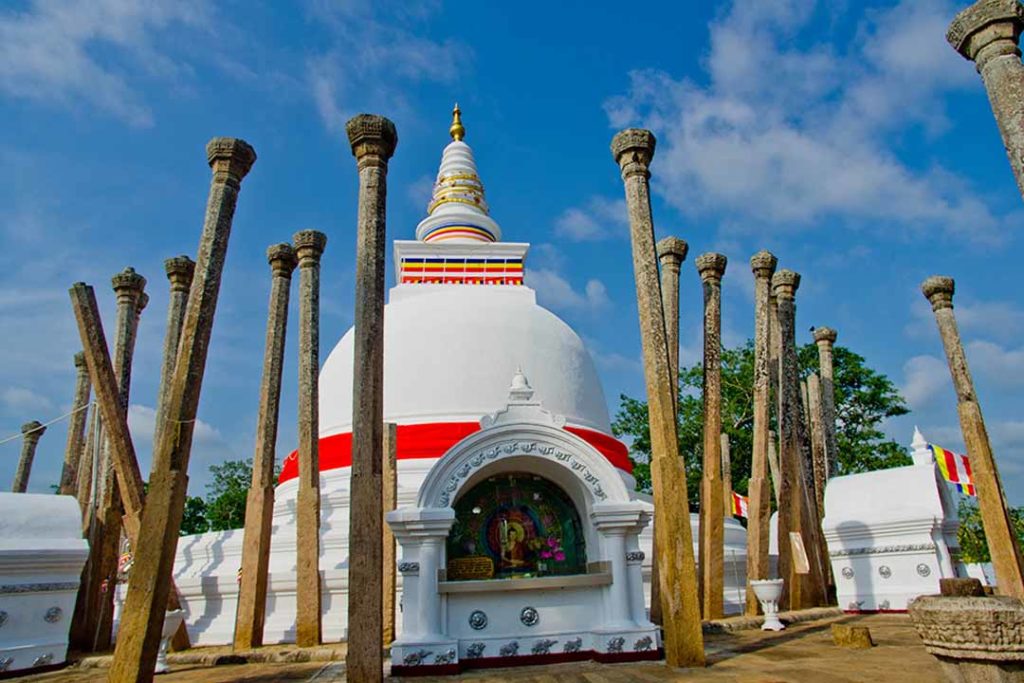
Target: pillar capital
{"x":373,"y":138}
{"x":763,"y":263}
{"x":939,"y":289}
{"x":32,"y":430}
{"x":80,"y":361}
{"x":785,"y":283}
{"x":282,"y":259}
{"x":128,"y":285}
{"x":825,"y":335}
{"x":672,"y":251}
{"x":180,"y":270}
{"x":308,"y":245}
{"x":995,"y":23}
{"x":711,"y":266}
{"x":230,"y":158}
{"x":143,"y":301}
{"x":633,"y":149}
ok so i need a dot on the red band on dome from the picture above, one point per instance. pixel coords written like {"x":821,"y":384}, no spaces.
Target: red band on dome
{"x":434,"y":440}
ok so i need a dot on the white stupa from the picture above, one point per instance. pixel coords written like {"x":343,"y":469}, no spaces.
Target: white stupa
{"x":497,"y":401}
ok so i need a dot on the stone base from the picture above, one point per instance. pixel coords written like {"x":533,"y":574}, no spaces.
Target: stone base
{"x":979,"y":671}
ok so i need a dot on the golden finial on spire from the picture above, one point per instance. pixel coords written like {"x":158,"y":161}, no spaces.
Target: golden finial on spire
{"x":457,"y":131}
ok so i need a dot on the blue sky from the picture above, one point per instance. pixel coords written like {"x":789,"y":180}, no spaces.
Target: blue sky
{"x":846,"y":137}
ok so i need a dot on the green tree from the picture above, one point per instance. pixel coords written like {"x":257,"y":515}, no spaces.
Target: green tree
{"x":226,"y":494}
{"x":864,"y":399}
{"x":973,"y":544}
{"x":194,"y":520}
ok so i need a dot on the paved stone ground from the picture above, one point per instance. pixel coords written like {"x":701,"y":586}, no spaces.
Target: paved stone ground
{"x":803,"y":653}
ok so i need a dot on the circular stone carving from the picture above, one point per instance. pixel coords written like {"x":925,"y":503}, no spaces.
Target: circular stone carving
{"x":847,"y":572}
{"x":924,"y":570}
{"x":53,"y":615}
{"x":478,"y":620}
{"x":529,"y":616}
{"x":884,"y":571}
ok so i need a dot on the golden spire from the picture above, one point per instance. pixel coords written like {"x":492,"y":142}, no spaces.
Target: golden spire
{"x":457,"y":131}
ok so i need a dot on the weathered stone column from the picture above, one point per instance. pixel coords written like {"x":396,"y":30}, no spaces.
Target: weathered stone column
{"x":308,"y":245}
{"x":259,"y":504}
{"x":1002,"y":541}
{"x":671,"y":254}
{"x":726,"y":477}
{"x":389,"y":559}
{"x":805,"y":586}
{"x":30,"y":433}
{"x":142,"y":618}
{"x":180,"y":270}
{"x":773,"y":464}
{"x":759,"y":505}
{"x":987,"y":34}
{"x":825,"y":338}
{"x":775,"y":351}
{"x":712,"y":530}
{"x":632,"y":150}
{"x":816,"y":420}
{"x":76,"y":430}
{"x":129,"y":289}
{"x":373,"y":140}
{"x":86,"y":467}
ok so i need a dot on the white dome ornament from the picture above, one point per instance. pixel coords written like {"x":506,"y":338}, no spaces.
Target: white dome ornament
{"x":457,"y":212}
{"x":521,"y":407}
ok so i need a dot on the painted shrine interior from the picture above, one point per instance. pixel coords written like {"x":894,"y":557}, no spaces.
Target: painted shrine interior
{"x":515,"y":525}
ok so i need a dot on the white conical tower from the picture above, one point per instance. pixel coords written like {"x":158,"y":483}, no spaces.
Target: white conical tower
{"x":458,"y":212}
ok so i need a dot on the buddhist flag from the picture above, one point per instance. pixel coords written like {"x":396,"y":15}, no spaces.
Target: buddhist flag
{"x":955,"y":468}
{"x":739,"y":505}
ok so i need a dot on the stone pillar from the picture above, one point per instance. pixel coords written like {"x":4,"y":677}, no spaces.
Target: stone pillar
{"x":30,"y":433}
{"x":773,"y":464}
{"x":805,"y":585}
{"x":726,"y":476}
{"x":632,"y":150}
{"x":373,"y":140}
{"x":309,"y":245}
{"x":129,"y":289}
{"x":86,"y":467}
{"x":816,"y":419}
{"x":775,"y":358}
{"x":180,"y":271}
{"x":142,"y":618}
{"x":825,"y":338}
{"x":759,"y":506}
{"x":76,"y":429}
{"x":987,"y":34}
{"x":1002,"y":541}
{"x":712,"y":530}
{"x":259,"y":504}
{"x":389,"y":498}
{"x":671,"y":254}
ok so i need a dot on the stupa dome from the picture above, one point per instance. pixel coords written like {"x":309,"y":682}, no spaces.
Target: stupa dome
{"x":449,"y":353}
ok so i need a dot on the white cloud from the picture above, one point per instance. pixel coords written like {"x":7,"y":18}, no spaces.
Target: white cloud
{"x":24,"y":401}
{"x":67,"y":53}
{"x":376,"y":53}
{"x":924,"y":378}
{"x":1000,"y":366}
{"x":555,"y":291}
{"x":142,"y":424}
{"x":786,"y":136}
{"x":600,"y":218}
{"x":1000,"y":320}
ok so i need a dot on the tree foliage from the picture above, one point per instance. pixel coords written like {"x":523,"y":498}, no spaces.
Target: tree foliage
{"x":973,"y":544}
{"x":864,"y":399}
{"x":224,"y":505}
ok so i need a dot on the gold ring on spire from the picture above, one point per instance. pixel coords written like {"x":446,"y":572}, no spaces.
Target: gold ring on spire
{"x":457,"y":131}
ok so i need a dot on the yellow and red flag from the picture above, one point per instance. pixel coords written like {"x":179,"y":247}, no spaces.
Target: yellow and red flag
{"x":739,"y":505}
{"x":955,"y":469}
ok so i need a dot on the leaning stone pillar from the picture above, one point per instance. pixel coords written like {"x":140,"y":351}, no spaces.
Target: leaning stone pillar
{"x":259,"y":504}
{"x":142,"y":618}
{"x":671,"y":254}
{"x":180,"y":270}
{"x":76,"y":430}
{"x":987,"y":34}
{"x":775,"y":350}
{"x":129,"y":289}
{"x":825,"y":338}
{"x":308,"y":245}
{"x":389,"y":561}
{"x":1002,"y":541}
{"x":816,"y":421}
{"x":759,"y":506}
{"x":684,"y":641}
{"x":712,"y":530}
{"x":30,"y":433}
{"x":799,"y":533}
{"x":373,"y":140}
